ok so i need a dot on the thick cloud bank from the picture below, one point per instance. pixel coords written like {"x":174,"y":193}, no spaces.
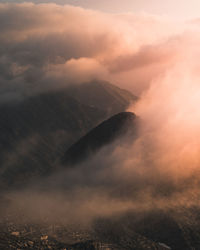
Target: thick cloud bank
{"x":46,"y":46}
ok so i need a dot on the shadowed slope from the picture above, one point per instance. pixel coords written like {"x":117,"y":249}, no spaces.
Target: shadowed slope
{"x":35,"y":132}
{"x":100,"y":136}
{"x":103,"y":95}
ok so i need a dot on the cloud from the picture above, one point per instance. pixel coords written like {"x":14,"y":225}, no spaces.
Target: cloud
{"x":39,"y":39}
{"x":46,"y":46}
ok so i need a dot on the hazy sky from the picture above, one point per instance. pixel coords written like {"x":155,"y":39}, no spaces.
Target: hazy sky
{"x":181,"y":9}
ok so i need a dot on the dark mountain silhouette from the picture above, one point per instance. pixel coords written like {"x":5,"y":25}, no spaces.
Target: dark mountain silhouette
{"x":104,"y":133}
{"x":36,"y":131}
{"x":103,"y":95}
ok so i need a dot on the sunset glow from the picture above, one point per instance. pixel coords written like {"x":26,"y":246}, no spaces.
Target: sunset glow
{"x":100,"y":123}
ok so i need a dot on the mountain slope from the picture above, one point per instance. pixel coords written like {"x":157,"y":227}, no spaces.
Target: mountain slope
{"x":103,"y":134}
{"x":103,"y":95}
{"x":35,"y":132}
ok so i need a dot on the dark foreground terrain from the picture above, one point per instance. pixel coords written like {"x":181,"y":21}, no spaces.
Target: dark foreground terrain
{"x":60,"y":237}
{"x":158,"y":230}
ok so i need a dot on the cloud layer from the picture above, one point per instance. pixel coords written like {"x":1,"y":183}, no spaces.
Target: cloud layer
{"x":46,"y":46}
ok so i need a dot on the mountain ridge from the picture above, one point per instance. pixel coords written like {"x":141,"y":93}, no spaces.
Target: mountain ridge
{"x":103,"y":134}
{"x":36,"y":131}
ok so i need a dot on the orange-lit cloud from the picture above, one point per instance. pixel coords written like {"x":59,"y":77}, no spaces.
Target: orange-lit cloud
{"x":49,"y":46}
{"x":36,"y":39}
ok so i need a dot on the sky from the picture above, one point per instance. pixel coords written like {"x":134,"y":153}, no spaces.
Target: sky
{"x":176,"y":9}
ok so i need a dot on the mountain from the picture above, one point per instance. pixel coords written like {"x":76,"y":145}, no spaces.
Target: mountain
{"x":36,"y":131}
{"x":103,"y":95}
{"x":105,"y":133}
